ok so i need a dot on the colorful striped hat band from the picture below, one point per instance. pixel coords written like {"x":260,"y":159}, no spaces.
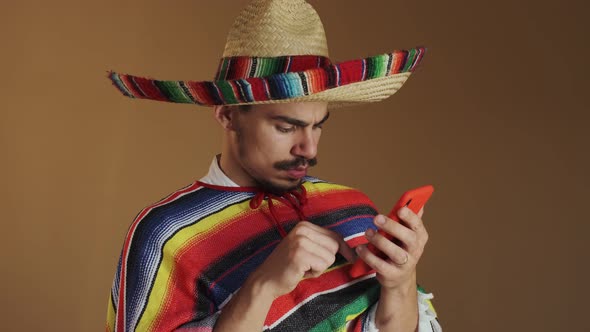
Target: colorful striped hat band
{"x":276,"y":52}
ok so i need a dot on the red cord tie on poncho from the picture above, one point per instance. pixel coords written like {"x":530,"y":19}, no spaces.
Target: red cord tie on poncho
{"x":296,"y":199}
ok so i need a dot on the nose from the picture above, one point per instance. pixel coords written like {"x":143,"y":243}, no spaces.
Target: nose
{"x":306,"y":145}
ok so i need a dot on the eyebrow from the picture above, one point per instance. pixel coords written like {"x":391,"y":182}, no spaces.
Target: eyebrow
{"x":299,"y":123}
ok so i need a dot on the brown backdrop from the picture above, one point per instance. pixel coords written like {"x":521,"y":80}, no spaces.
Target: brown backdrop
{"x":495,"y":118}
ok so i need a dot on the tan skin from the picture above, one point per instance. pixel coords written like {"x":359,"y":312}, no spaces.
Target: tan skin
{"x":253,"y":142}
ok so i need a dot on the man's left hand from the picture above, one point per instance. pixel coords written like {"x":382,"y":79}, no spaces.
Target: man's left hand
{"x":398,"y":267}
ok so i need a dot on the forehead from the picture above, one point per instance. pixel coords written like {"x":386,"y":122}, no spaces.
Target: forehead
{"x":308,"y":111}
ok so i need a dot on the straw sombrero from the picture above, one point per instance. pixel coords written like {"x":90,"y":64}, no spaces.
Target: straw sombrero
{"x":277,"y":52}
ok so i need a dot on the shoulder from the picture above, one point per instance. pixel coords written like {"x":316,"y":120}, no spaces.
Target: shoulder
{"x":173,"y":204}
{"x":181,"y":208}
{"x":324,"y":188}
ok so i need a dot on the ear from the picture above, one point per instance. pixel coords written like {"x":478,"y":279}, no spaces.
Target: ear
{"x":224,"y":115}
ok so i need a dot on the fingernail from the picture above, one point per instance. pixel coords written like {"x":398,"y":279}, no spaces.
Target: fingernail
{"x":358,"y":249}
{"x":370,"y":233}
{"x":380,"y":220}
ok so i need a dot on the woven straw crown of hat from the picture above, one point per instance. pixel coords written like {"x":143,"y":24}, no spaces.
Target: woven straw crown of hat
{"x":272,"y":28}
{"x":276,"y":52}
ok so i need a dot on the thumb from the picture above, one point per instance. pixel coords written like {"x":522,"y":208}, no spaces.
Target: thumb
{"x":421,"y":212}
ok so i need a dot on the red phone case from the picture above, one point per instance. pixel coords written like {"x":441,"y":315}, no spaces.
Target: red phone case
{"x":415,"y":200}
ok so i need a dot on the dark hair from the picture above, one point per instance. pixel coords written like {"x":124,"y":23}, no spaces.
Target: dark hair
{"x":244,"y":108}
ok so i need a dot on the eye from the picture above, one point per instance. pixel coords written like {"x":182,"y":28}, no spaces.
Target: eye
{"x":285,"y":129}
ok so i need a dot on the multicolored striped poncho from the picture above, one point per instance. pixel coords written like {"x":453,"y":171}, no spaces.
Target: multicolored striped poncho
{"x":185,"y":256}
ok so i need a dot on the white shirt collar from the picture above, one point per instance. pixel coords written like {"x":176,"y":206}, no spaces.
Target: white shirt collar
{"x":216,"y":175}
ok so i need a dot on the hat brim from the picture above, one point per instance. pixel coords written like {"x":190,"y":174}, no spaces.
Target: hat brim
{"x":356,"y":81}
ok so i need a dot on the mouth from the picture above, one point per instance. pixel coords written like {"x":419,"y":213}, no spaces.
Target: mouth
{"x":297,"y":173}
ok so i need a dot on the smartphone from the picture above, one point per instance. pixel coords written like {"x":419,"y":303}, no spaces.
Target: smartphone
{"x":414,"y":199}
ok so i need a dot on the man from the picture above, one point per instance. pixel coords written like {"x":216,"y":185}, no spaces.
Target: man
{"x":257,"y":244}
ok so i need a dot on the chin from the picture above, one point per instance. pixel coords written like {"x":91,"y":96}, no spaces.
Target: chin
{"x":279,"y":187}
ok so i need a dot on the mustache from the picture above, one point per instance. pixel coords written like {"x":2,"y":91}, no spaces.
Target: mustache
{"x":290,"y":164}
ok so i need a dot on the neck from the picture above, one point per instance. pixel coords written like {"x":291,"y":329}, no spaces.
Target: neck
{"x":232,"y":169}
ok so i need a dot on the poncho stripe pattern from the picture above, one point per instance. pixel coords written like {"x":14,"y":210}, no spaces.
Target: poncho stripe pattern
{"x":185,"y":256}
{"x":249,"y":80}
